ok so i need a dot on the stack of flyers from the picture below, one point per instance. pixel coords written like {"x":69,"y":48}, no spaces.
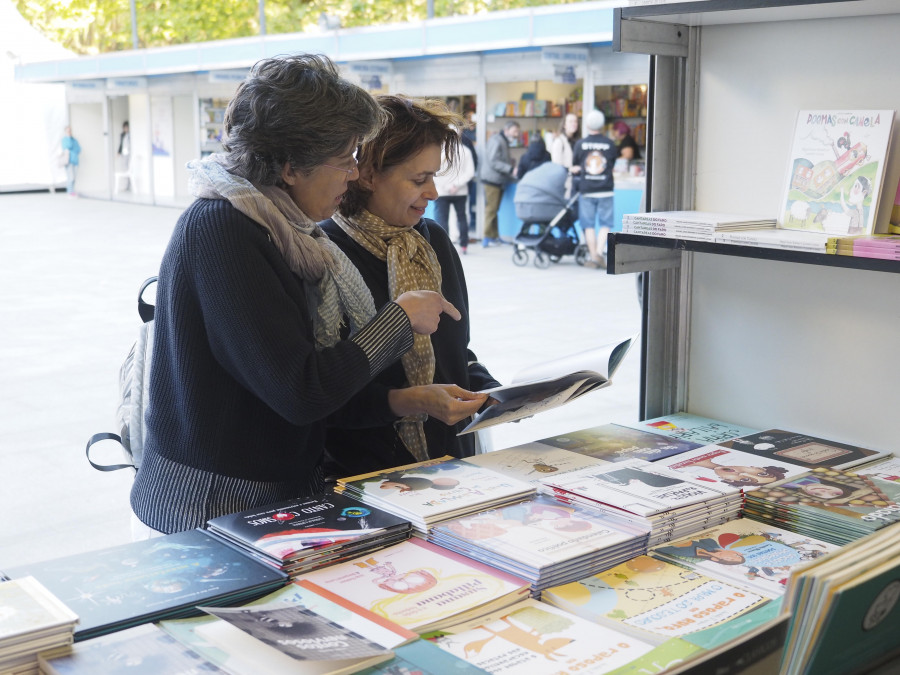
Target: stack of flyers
{"x":436,"y":490}
{"x":836,"y":506}
{"x":643,"y":493}
{"x":299,"y":535}
{"x":542,"y":540}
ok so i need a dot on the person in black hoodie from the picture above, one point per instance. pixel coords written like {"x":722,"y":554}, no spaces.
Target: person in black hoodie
{"x":427,"y":398}
{"x":534,"y":156}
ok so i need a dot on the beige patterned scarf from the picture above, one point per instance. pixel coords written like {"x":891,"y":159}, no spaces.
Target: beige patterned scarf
{"x":411,"y":266}
{"x":338,"y":288}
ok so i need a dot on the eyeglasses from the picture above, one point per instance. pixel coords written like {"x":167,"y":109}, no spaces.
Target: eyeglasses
{"x":346,"y":171}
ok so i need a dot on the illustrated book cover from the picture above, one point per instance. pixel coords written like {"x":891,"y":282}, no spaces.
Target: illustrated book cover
{"x":803,"y":450}
{"x":616,"y":443}
{"x":28,"y":611}
{"x":717,"y":464}
{"x":694,"y":428}
{"x":654,"y":600}
{"x":533,"y":637}
{"x":434,"y":490}
{"x":419,"y":585}
{"x":836,"y":170}
{"x":140,"y":649}
{"x":548,"y":385}
{"x":282,"y":639}
{"x":756,"y":555}
{"x":142,"y":581}
{"x":530,"y":461}
{"x":297,"y":527}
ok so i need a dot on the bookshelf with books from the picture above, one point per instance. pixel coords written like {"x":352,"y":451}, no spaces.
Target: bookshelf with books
{"x":754,"y":333}
{"x":538,"y":106}
{"x":212,"y":127}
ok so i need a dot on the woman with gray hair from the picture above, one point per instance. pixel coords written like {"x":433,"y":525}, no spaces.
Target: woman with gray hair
{"x":248,"y":358}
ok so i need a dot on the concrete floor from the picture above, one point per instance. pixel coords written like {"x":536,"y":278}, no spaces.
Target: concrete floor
{"x":70,"y":270}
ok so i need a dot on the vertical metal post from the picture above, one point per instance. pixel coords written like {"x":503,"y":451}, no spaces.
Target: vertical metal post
{"x":134,"y":32}
{"x":262,"y":17}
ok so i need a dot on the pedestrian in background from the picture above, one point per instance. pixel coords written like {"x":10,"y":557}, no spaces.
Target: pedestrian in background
{"x":71,"y":151}
{"x":452,"y":185}
{"x":497,"y":171}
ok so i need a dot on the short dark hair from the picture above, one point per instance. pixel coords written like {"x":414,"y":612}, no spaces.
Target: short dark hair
{"x":412,"y":124}
{"x":296,"y":109}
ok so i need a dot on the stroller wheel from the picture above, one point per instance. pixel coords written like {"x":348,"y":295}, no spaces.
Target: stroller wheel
{"x":555,"y":258}
{"x":541,"y":260}
{"x":520,"y":257}
{"x":581,"y":254}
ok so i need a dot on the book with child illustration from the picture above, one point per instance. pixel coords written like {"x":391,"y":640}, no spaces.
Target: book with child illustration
{"x":548,"y":385}
{"x":835,"y":171}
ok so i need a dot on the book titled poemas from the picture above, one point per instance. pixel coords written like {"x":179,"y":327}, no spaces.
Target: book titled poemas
{"x":548,"y":385}
{"x":836,"y":170}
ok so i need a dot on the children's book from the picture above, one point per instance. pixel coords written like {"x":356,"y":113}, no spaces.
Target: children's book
{"x":141,"y":649}
{"x":298,"y":528}
{"x":143,"y":581}
{"x":423,"y":657}
{"x":748,"y":553}
{"x":654,"y":600}
{"x":291,"y":639}
{"x":548,"y":385}
{"x":836,"y":170}
{"x":533,"y":637}
{"x":28,"y":611}
{"x":717,"y":464}
{"x":419,"y":585}
{"x":894,"y":224}
{"x":434,"y":490}
{"x":694,"y":428}
{"x":885,"y":469}
{"x":531,"y":461}
{"x":616,"y":443}
{"x":803,"y":450}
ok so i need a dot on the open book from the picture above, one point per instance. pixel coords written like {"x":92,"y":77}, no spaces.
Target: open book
{"x":551,"y":384}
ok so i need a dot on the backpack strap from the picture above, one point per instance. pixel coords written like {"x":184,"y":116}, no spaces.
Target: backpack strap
{"x":145,"y":309}
{"x":105,"y":436}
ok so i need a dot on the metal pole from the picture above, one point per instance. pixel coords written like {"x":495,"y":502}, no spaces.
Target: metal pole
{"x":429,"y":11}
{"x":262,"y":17}
{"x":134,"y":35}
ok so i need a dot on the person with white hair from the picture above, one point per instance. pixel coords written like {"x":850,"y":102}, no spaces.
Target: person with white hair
{"x":593,"y":159}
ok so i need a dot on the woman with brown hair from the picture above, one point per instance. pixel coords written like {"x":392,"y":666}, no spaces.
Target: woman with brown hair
{"x":380,"y":226}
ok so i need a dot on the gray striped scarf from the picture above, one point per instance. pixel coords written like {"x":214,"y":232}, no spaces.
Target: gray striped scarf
{"x":339,"y":289}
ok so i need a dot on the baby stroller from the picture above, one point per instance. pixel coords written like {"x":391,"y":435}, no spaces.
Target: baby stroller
{"x":548,"y":227}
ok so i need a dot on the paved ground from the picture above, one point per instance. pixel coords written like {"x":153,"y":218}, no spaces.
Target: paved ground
{"x":69,"y":274}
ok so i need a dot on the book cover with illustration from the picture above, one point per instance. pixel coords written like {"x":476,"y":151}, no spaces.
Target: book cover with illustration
{"x":694,"y":428}
{"x":616,"y":443}
{"x":803,"y":450}
{"x":654,"y":600}
{"x":638,"y":487}
{"x":142,"y":581}
{"x":534,"y":637}
{"x":837,"y":506}
{"x":141,"y":649}
{"x":887,"y":468}
{"x":434,"y":490}
{"x":296,"y":527}
{"x":752,"y":554}
{"x":531,"y":461}
{"x":540,"y":535}
{"x":419,"y":585}
{"x":836,"y":170}
{"x":29,"y":611}
{"x":716,"y":464}
{"x":283,"y":639}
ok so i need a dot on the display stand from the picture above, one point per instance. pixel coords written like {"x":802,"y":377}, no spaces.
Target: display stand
{"x":760,"y":337}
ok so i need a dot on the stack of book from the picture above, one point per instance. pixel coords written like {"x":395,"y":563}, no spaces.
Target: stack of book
{"x":845,"y":609}
{"x":656,"y":601}
{"x":694,"y":428}
{"x":418,"y":585}
{"x":542,"y":541}
{"x":645,"y":494}
{"x":885,"y":246}
{"x":144,"y":581}
{"x":436,"y":490}
{"x":531,"y":461}
{"x":696,"y":225}
{"x":299,"y":535}
{"x":32,"y":620}
{"x":755,"y":555}
{"x":617,"y":443}
{"x":718,"y":464}
{"x":836,"y":506}
{"x":780,"y":238}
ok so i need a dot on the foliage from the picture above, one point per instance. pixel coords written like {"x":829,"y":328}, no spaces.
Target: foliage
{"x":97,"y":26}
